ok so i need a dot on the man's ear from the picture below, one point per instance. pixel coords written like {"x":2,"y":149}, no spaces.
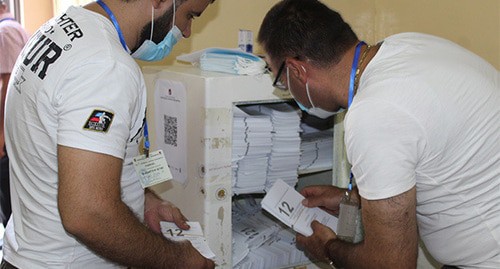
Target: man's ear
{"x":297,"y":69}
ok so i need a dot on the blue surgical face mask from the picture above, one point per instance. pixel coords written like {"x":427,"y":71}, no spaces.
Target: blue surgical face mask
{"x":315,"y":111}
{"x":149,"y":51}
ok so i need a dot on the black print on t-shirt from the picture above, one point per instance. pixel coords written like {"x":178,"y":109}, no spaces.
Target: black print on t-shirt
{"x":42,"y":52}
{"x":70,"y":27}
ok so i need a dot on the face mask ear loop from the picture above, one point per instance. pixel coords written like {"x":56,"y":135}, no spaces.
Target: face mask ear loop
{"x":308,"y":94}
{"x":173,"y":15}
{"x":307,"y":89}
{"x":152,"y":22}
{"x":288,"y":80}
{"x":153,"y":19}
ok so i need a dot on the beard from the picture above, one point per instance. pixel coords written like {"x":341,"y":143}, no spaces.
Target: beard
{"x":162,"y":26}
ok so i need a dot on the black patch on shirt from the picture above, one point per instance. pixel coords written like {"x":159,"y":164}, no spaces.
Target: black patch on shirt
{"x":99,"y":121}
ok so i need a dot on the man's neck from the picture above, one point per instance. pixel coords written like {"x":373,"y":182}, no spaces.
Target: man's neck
{"x":129,"y":25}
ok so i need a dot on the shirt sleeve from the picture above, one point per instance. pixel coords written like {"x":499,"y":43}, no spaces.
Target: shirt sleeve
{"x":96,"y":106}
{"x":383,"y":144}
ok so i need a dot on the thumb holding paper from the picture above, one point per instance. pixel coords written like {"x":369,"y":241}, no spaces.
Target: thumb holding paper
{"x":323,"y":196}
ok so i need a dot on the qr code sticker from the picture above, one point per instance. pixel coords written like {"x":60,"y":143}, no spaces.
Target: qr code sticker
{"x":170,"y":126}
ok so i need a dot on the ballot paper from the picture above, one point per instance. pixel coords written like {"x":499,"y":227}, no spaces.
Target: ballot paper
{"x":193,"y":235}
{"x":259,"y":241}
{"x":285,"y":203}
{"x":251,"y":149}
{"x":264,"y":136}
{"x":285,"y":151}
{"x":316,"y":149}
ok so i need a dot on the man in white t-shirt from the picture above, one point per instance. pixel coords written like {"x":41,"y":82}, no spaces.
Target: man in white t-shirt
{"x":75,"y":119}
{"x":13,"y":37}
{"x":422,"y":133}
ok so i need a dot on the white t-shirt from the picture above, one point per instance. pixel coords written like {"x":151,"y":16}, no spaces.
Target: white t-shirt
{"x":427,"y":114}
{"x":73,"y":85}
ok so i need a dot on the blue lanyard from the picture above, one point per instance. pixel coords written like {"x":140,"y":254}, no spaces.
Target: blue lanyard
{"x":354,"y":67}
{"x":115,"y":23}
{"x":122,"y":40}
{"x":7,"y":19}
{"x":146,"y":138}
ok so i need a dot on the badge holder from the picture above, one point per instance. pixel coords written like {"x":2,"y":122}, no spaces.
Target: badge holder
{"x":152,"y":168}
{"x":348,"y":216}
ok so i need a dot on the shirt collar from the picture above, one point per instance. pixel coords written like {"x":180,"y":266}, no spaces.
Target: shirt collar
{"x":6,"y":15}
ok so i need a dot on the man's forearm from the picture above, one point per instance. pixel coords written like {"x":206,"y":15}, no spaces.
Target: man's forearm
{"x":391,"y":236}
{"x":348,"y":255}
{"x":358,"y":256}
{"x":119,"y":236}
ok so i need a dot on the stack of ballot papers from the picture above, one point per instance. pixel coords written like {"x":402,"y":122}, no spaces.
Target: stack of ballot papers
{"x":193,"y":235}
{"x":316,"y":149}
{"x":226,"y":60}
{"x":251,"y":148}
{"x":266,"y":146}
{"x":259,"y":241}
{"x":285,"y":152}
{"x":285,"y":203}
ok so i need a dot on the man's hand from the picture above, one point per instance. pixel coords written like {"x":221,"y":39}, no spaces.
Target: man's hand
{"x":315,"y":244}
{"x":325,"y":196}
{"x":156,"y":210}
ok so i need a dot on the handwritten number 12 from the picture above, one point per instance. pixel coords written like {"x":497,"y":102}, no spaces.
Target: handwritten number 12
{"x":285,"y":209}
{"x":178,"y":232}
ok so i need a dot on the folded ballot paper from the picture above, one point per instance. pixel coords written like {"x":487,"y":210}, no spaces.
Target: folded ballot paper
{"x":259,"y":241}
{"x":193,"y":235}
{"x":285,"y":203}
{"x":232,"y":61}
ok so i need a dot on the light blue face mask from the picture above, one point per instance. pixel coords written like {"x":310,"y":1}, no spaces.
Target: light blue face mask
{"x":314,"y":110}
{"x":149,"y":51}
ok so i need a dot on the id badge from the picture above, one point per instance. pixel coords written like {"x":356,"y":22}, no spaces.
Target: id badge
{"x":153,"y":169}
{"x":348,"y":219}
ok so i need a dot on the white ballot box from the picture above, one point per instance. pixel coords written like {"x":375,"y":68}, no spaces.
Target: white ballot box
{"x":226,"y":136}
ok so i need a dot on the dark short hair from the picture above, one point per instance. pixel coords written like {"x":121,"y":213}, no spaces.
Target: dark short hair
{"x":305,"y":29}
